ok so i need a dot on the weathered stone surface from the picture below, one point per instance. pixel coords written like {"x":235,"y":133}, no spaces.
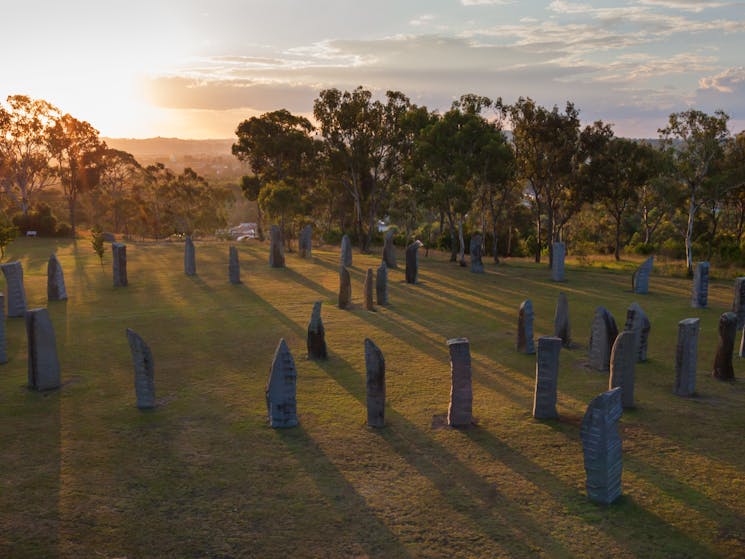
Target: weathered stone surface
{"x":13,"y":272}
{"x":603,"y":333}
{"x":142,"y":359}
{"x":686,"y":357}
{"x":546,"y":377}
{"x":281,"y":404}
{"x":561,"y":321}
{"x":43,"y":364}
{"x":345,"y":257}
{"x":276,"y":248}
{"x":738,"y":306}
{"x":55,"y":280}
{"x":477,"y":266}
{"x":369,"y":288}
{"x":119,"y":264}
{"x":723,"y":369}
{"x":345,"y":288}
{"x":601,"y":446}
{"x":234,"y":266}
{"x":557,"y":263}
{"x":412,"y":261}
{"x":3,"y":339}
{"x":389,"y":251}
{"x":316,"y":334}
{"x":525,"y":343}
{"x":305,"y":244}
{"x":700,"y":288}
{"x":640,"y":278}
{"x":190,"y":257}
{"x":381,"y":284}
{"x":622,"y":366}
{"x":461,"y":392}
{"x":637,"y":322}
{"x":375,"y":366}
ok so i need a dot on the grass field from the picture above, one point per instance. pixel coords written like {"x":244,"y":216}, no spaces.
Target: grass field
{"x":84,"y":473}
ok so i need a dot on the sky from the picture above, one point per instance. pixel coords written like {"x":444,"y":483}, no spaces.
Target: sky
{"x":197,"y":68}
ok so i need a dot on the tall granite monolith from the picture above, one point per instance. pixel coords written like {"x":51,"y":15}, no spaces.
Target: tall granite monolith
{"x":281,"y":401}
{"x":389,"y":250}
{"x":190,"y":257}
{"x":622,"y":365}
{"x":316,"y":334}
{"x":43,"y":364}
{"x":601,"y":446}
{"x":738,"y":305}
{"x":640,"y":278}
{"x":375,"y":367}
{"x":13,"y":272}
{"x":56,"y":290}
{"x":525,"y":343}
{"x":546,"y":377}
{"x":345,"y":256}
{"x":369,"y":288}
{"x":603,"y":333}
{"x":119,"y":264}
{"x":412,"y":261}
{"x":686,"y":357}
{"x":700,"y":287}
{"x":477,"y":266}
{"x":3,"y":340}
{"x":637,"y":322}
{"x":345,"y":288}
{"x":276,"y":248}
{"x":461,"y":392}
{"x":142,"y":359}
{"x":561,"y":320}
{"x":305,"y":243}
{"x":723,"y":369}
{"x":234,"y":266}
{"x":559,"y":251}
{"x":381,"y":284}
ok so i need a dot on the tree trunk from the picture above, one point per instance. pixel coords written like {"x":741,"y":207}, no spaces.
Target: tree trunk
{"x":617,"y":252}
{"x":538,"y":239}
{"x":453,"y":239}
{"x":550,"y":239}
{"x":461,"y":243}
{"x":689,"y":234}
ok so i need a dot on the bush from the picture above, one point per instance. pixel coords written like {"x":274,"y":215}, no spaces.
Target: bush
{"x":673,"y":248}
{"x":332,"y":237}
{"x":645,"y":249}
{"x":43,"y":221}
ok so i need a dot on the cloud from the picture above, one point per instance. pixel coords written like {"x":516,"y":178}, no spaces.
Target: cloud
{"x":422,"y":20}
{"x":562,"y":7}
{"x":688,"y":5}
{"x":486,"y":2}
{"x":727,"y":81}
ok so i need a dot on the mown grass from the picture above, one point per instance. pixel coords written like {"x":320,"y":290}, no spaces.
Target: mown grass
{"x":86,"y":474}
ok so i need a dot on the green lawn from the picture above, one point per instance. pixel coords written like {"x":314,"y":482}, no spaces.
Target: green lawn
{"x":84,"y":473}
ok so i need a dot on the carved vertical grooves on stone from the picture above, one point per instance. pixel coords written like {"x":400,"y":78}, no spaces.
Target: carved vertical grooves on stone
{"x":13,"y":272}
{"x":637,"y":322}
{"x":601,"y":445}
{"x":56,"y":290}
{"x":389,"y":251}
{"x":375,"y":367}
{"x":412,"y":261}
{"x":562,"y":328}
{"x":546,"y":377}
{"x":686,"y":357}
{"x":622,"y":365}
{"x":316,"y":340}
{"x":723,"y":369}
{"x":700,"y":287}
{"x":43,"y":364}
{"x":281,"y":389}
{"x":461,"y":392}
{"x":381,"y":284}
{"x":603,"y":333}
{"x":368,"y":288}
{"x":144,"y":367}
{"x":525,"y":343}
{"x":119,"y":265}
{"x":477,"y":266}
{"x":557,"y":263}
{"x":345,"y":288}
{"x":276,"y":249}
{"x":234,"y":266}
{"x":640,"y":279}
{"x":190,"y":257}
{"x":345,"y":258}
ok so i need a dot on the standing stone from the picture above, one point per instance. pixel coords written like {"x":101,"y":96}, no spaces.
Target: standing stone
{"x":738,"y":306}
{"x":346,"y":251}
{"x":412,"y":261}
{"x":525,"y":342}
{"x":561,"y":321}
{"x":190,"y":257}
{"x":686,"y":357}
{"x":723,"y":369}
{"x":119,"y":264}
{"x":389,"y":251}
{"x":305,"y":244}
{"x":316,"y":334}
{"x":3,"y":340}
{"x":557,"y":262}
{"x":375,"y":366}
{"x":345,"y":288}
{"x":43,"y":365}
{"x":622,"y":364}
{"x":477,"y":266}
{"x":276,"y":250}
{"x":234,"y":266}
{"x":281,"y":405}
{"x":546,"y":377}
{"x":142,"y":359}
{"x":461,"y":393}
{"x":640,"y":278}
{"x":368,"y":288}
{"x":603,"y":333}
{"x":700,"y":291}
{"x":13,"y":272}
{"x":55,"y":280}
{"x":381,"y":284}
{"x":601,"y":446}
{"x":637,"y":322}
